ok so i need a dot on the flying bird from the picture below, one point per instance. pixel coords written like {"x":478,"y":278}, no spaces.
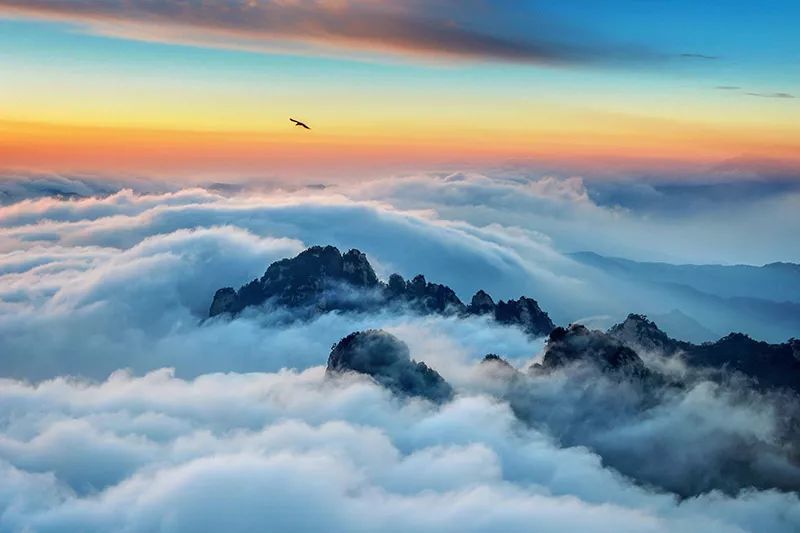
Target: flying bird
{"x":298,"y":123}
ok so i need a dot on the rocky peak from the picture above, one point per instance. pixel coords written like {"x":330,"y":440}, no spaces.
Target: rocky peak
{"x":525,"y":313}
{"x":424,"y":296}
{"x":224,"y":301}
{"x":481,"y":304}
{"x":417,"y":286}
{"x":642,"y":333}
{"x":496,"y":367}
{"x":357,"y":270}
{"x":396,"y":287}
{"x":768,"y":365}
{"x":299,"y":281}
{"x":318,"y":264}
{"x":494,"y":360}
{"x":578,"y":344}
{"x":387,"y":360}
{"x":321,"y":279}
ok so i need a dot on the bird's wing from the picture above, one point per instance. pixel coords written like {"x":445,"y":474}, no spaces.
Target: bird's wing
{"x":306,"y":127}
{"x":295,"y":121}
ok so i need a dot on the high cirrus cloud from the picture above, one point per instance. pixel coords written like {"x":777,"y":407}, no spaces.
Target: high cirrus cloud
{"x":416,"y":29}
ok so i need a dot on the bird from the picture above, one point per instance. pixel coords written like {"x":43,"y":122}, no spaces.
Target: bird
{"x":298,"y":123}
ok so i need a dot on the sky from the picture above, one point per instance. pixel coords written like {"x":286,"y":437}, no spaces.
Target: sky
{"x":201,"y":88}
{"x":147,"y":160}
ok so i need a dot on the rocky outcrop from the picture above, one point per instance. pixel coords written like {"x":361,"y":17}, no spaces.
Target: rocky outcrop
{"x":640,"y":333}
{"x":424,"y":296}
{"x":482,"y":304}
{"x":580,"y":345}
{"x":386,"y":359}
{"x":300,"y":281}
{"x":225,"y":301}
{"x":322,"y":279}
{"x":524,"y":313}
{"x":769,"y":365}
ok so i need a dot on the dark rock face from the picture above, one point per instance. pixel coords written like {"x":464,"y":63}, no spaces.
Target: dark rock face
{"x":524,"y":313}
{"x":424,"y":296}
{"x":224,"y":301}
{"x":322,"y":279}
{"x":769,"y":365}
{"x":386,"y":359}
{"x":639,"y":332}
{"x":300,"y":281}
{"x":578,"y":344}
{"x":482,"y":304}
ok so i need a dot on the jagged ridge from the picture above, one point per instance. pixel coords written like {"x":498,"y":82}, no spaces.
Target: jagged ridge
{"x":770,"y":365}
{"x":324,"y":279}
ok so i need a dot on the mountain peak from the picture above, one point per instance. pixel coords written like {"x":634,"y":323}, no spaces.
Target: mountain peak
{"x":637,"y":330}
{"x":322,"y":279}
{"x":579,"y":344}
{"x":387,"y":360}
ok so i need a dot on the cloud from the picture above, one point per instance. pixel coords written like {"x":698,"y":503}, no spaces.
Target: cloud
{"x":647,"y":217}
{"x":326,"y":218}
{"x":15,"y":187}
{"x":298,"y":451}
{"x":413,"y":29}
{"x":140,"y":301}
{"x":699,"y":56}
{"x":779,"y":95}
{"x":771,"y":95}
{"x":244,"y":428}
{"x":664,"y":435}
{"x":98,"y":260}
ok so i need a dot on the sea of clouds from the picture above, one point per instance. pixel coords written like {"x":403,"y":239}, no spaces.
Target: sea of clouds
{"x":122,"y":407}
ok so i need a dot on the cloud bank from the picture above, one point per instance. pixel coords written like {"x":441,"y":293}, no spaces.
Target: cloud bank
{"x":233,"y":423}
{"x":297,"y":451}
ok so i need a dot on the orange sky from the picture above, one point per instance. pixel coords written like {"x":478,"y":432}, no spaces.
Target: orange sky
{"x":78,"y":97}
{"x":295,"y":152}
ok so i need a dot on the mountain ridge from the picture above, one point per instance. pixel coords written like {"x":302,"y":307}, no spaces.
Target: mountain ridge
{"x":322,"y":279}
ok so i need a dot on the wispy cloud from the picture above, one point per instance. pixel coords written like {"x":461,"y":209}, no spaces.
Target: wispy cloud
{"x":771,"y":95}
{"x":779,"y":95}
{"x":414,"y":29}
{"x":699,"y":56}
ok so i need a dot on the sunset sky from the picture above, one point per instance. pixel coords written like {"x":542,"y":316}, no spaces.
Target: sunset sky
{"x":176,"y":88}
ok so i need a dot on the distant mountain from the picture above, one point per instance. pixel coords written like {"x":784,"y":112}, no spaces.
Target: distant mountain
{"x":768,"y":365}
{"x":760,"y":317}
{"x":777,"y":282}
{"x":322,"y":279}
{"x":678,"y":324}
{"x":763,"y":301}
